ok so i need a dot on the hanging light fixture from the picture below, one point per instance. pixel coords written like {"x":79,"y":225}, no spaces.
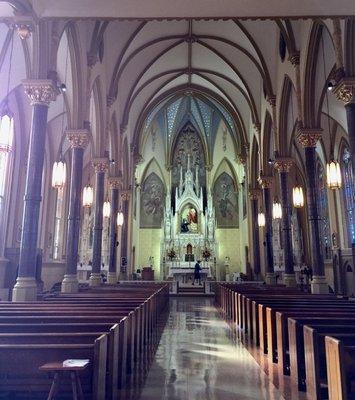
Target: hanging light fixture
{"x":106,"y":211}
{"x":88,"y":196}
{"x":59,"y":175}
{"x":120,"y":218}
{"x":298,"y":197}
{"x":261,"y":219}
{"x":333,"y":175}
{"x":276,"y":210}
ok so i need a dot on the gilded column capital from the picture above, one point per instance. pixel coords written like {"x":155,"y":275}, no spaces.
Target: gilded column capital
{"x":283,"y":164}
{"x":115,"y":182}
{"x":100,"y":164}
{"x":77,"y":138}
{"x":254,"y":193}
{"x":265,"y":181}
{"x":125,"y":195}
{"x":345,"y":90}
{"x":241,"y":158}
{"x":40,"y":91}
{"x":308,"y":137}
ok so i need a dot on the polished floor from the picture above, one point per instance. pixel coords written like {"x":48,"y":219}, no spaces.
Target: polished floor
{"x":197,"y":360}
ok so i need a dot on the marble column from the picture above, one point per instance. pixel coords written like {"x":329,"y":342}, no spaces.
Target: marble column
{"x":124,"y":236}
{"x":345,"y":91}
{"x":308,"y":139}
{"x":254,"y":195}
{"x":115,"y":184}
{"x":101,"y":167}
{"x":283,"y":166}
{"x":40,"y":93}
{"x":266,"y":184}
{"x":78,"y":140}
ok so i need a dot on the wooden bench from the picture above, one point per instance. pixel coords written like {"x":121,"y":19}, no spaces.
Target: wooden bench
{"x":340,"y":358}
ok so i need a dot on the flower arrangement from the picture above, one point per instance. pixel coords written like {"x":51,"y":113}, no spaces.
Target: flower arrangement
{"x":171,"y":254}
{"x":206,"y":254}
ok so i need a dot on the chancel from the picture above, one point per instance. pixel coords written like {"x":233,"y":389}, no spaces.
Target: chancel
{"x":177,"y":199}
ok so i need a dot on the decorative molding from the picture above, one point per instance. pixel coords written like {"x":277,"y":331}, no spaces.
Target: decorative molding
{"x":295,"y":58}
{"x":308,"y":137}
{"x":110,"y":100}
{"x":126,"y":195}
{"x":40,"y":91}
{"x":265,"y":181}
{"x":115,"y":182}
{"x":283,"y":164}
{"x":241,"y":158}
{"x":257,"y":127}
{"x":271,"y":100}
{"x":100,"y":165}
{"x":345,"y":90}
{"x":78,"y":139}
{"x":254,"y":194}
{"x":91,"y":59}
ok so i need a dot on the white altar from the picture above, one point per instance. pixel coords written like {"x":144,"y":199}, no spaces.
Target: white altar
{"x":189,"y":230}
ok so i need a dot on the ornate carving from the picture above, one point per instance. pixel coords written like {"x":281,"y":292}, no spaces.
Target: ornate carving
{"x":40,"y":91}
{"x":100,"y":165}
{"x":265,"y":181}
{"x":241,"y":158}
{"x":308,"y":137}
{"x":283,"y":164}
{"x":115,"y":182}
{"x":254,"y":194}
{"x":295,"y":58}
{"x":272,"y":100}
{"x":345,"y":90}
{"x":257,"y":127}
{"x":125,"y":195}
{"x":77,"y":138}
{"x":110,"y":100}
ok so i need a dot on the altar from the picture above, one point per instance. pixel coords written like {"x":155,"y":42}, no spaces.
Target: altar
{"x":189,"y":229}
{"x":183,"y":272}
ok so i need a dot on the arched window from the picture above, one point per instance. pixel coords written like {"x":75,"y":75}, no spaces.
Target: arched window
{"x":57,"y":242}
{"x":6,"y":140}
{"x":348,"y":194}
{"x":322,"y":204}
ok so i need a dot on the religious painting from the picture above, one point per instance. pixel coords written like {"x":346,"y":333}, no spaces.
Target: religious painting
{"x":225,"y":199}
{"x":152,"y":202}
{"x":189,"y":220}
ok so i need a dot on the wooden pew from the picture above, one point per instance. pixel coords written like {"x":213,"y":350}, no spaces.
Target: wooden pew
{"x":340,"y":358}
{"x":24,"y":379}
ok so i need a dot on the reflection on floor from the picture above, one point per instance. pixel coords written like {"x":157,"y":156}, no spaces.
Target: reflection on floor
{"x":196,"y":360}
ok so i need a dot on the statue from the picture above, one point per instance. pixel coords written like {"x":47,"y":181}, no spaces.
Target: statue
{"x":184,"y":226}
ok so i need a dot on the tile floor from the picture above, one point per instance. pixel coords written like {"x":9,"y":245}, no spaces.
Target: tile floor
{"x":196,"y":360}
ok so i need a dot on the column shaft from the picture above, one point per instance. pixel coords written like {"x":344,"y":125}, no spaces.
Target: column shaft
{"x":350,"y":116}
{"x":97,"y":234}
{"x":268,"y":232}
{"x":112,"y":276}
{"x":313,"y":217}
{"x":25,"y":287}
{"x":256,"y":241}
{"x":286,"y":224}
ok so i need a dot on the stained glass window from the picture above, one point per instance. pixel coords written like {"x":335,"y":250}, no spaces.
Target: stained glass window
{"x":348,"y":192}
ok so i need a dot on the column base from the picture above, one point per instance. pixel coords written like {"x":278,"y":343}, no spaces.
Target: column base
{"x":319,"y":285}
{"x":270,"y":278}
{"x":25,"y":289}
{"x":290,"y":280}
{"x":70,"y":284}
{"x":95,"y":279}
{"x":111,"y":278}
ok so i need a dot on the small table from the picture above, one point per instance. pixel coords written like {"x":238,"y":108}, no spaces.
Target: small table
{"x":59,"y":370}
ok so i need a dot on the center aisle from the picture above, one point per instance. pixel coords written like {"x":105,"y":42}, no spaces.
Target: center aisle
{"x":196,"y":359}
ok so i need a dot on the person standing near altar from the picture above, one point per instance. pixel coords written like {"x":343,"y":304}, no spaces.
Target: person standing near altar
{"x":197,"y":274}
